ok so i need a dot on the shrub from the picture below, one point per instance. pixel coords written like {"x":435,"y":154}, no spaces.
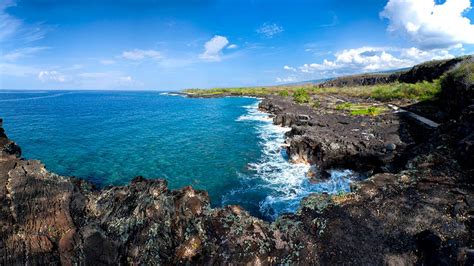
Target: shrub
{"x":316,"y":104}
{"x":301,"y":96}
{"x":372,"y":111}
{"x":420,"y":91}
{"x":284,"y":93}
{"x":463,"y":74}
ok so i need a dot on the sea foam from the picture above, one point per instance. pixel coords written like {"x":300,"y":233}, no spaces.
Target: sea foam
{"x":285,"y":184}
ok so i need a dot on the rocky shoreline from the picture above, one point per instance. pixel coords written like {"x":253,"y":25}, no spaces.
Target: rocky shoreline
{"x":415,"y":207}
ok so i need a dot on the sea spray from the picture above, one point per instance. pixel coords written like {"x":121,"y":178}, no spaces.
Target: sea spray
{"x":285,"y":184}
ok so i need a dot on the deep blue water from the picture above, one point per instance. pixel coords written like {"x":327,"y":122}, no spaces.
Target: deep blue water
{"x":223,"y":145}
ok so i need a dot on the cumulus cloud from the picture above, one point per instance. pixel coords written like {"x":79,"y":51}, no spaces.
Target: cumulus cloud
{"x":369,"y":59}
{"x":430,"y":25}
{"x":232,"y":46}
{"x":289,"y":68}
{"x":269,"y":30}
{"x":54,"y":76}
{"x":213,"y":48}
{"x":138,"y":54}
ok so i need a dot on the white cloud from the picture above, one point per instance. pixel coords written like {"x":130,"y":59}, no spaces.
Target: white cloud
{"x":107,"y":62}
{"x":22,"y":52}
{"x":269,"y":30}
{"x":8,"y":24}
{"x":138,"y":54}
{"x":126,"y":79}
{"x":106,"y":80}
{"x":369,"y":59}
{"x":289,"y":68}
{"x":232,"y":46}
{"x":16,"y":70}
{"x":431,"y":25}
{"x":286,"y":80}
{"x":46,"y":76}
{"x":15,"y":29}
{"x":213,"y":48}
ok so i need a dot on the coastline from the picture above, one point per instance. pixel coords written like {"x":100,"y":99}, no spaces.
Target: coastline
{"x":415,"y":207}
{"x":127,"y":220}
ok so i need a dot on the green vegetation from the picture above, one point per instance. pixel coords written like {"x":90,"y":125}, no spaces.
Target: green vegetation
{"x":301,"y":96}
{"x":284,"y":93}
{"x":316,"y":104}
{"x":361,"y":109}
{"x":384,"y":92}
{"x":373,"y":111}
{"x":229,"y":91}
{"x":344,"y":106}
{"x":250,"y":91}
{"x":419,"y":91}
{"x":463,"y":75}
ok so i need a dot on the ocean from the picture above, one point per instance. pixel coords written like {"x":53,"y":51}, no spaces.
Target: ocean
{"x":225,"y":146}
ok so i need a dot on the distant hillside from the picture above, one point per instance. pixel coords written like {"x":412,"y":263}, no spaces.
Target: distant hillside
{"x":313,"y":81}
{"x":320,"y":81}
{"x":427,"y":71}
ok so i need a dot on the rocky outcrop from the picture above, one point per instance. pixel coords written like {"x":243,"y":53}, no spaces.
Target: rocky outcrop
{"x":458,"y":88}
{"x":7,"y":147}
{"x":431,"y":70}
{"x":361,"y":80}
{"x":50,"y":219}
{"x":332,"y":140}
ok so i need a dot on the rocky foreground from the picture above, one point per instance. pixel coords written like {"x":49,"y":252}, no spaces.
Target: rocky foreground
{"x":416,"y":206}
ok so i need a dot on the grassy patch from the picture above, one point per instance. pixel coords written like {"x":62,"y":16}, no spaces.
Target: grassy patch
{"x":229,"y":91}
{"x":373,"y":111}
{"x":385,"y":92}
{"x":419,"y":91}
{"x":343,"y":106}
{"x":250,"y":91}
{"x":361,"y":109}
{"x":302,"y":93}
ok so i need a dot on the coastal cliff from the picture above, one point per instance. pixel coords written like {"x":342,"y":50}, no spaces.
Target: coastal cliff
{"x":415,"y":206}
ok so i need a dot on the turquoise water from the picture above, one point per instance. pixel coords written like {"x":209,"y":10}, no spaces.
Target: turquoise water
{"x":223,"y":145}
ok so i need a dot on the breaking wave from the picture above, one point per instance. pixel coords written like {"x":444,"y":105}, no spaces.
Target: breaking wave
{"x":282,"y":183}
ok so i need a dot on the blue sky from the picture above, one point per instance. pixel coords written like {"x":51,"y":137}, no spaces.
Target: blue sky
{"x":169,"y":45}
